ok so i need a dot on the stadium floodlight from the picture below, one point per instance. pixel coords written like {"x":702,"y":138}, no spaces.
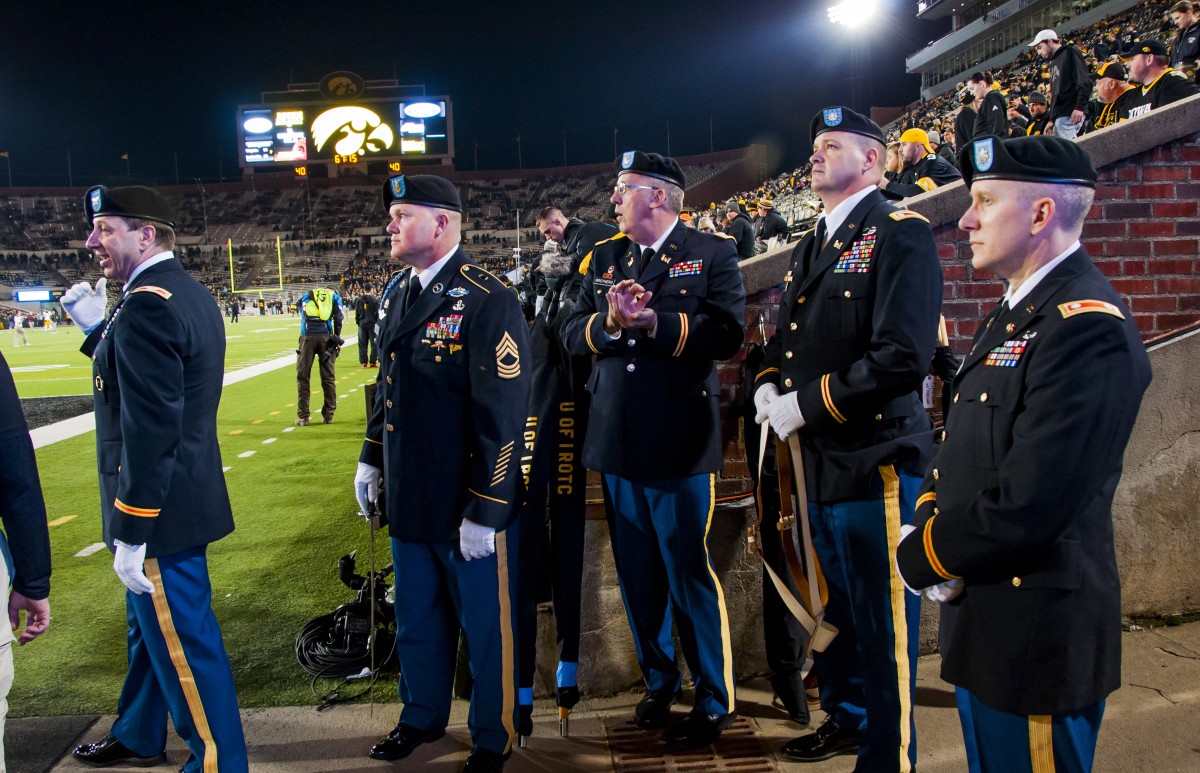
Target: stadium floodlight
{"x":853,"y":14}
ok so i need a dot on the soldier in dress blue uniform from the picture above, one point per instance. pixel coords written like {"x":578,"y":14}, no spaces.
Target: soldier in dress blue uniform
{"x":1014,"y":520}
{"x":660,"y":303}
{"x":445,"y":434}
{"x":854,"y":338}
{"x":157,"y":365}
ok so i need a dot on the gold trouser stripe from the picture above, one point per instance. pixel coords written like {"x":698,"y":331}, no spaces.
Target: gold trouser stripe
{"x":587,"y":332}
{"x":828,"y":398}
{"x":683,"y":334}
{"x":179,"y":659}
{"x":726,"y":645}
{"x":1041,"y":743}
{"x":928,"y":496}
{"x":508,"y":688}
{"x":891,"y":507}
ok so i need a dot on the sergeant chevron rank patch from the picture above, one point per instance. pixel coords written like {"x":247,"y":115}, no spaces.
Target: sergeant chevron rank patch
{"x":508,"y":358}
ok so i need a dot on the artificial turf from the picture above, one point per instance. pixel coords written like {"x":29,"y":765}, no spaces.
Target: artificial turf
{"x":293,"y":505}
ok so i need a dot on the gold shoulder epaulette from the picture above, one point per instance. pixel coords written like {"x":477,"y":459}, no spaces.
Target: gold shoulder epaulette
{"x":479,"y":276}
{"x":613,"y":238}
{"x":160,"y":292}
{"x":905,"y":214}
{"x":1072,"y":308}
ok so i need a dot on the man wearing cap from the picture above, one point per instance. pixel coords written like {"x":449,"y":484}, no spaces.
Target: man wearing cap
{"x":854,"y":338}
{"x":1014,"y":520}
{"x":1038,"y":114}
{"x":660,"y":304}
{"x":445,"y":436}
{"x":1158,"y":84}
{"x":157,"y":365}
{"x":1069,"y":84}
{"x":923,"y":170}
{"x":1111,"y":103}
{"x":740,"y":229}
{"x":942,"y":149}
{"x":775,"y":228}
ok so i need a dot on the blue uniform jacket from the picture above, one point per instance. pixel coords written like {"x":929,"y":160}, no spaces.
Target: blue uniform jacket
{"x":157,"y":370}
{"x":1018,"y":502}
{"x":655,"y":400}
{"x":449,"y":413}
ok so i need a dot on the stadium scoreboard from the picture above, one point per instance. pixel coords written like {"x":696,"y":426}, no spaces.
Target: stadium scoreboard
{"x":352,"y":128}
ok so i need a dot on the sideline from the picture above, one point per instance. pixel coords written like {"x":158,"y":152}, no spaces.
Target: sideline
{"x":79,"y":425}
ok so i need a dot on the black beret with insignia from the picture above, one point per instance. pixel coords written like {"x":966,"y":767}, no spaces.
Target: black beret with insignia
{"x":427,"y":190}
{"x":843,"y":119}
{"x":1035,"y":159}
{"x":134,"y":201}
{"x":652,"y":165}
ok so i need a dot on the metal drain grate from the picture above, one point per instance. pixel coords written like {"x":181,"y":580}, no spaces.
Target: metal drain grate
{"x":740,"y":750}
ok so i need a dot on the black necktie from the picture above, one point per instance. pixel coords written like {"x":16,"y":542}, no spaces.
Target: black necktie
{"x":647,"y":256}
{"x":414,"y":290}
{"x":814,"y":249}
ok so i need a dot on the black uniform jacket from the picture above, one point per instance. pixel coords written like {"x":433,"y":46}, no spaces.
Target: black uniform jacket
{"x":655,"y":400}
{"x":931,"y":171}
{"x":157,"y":370}
{"x":22,"y":509}
{"x":855,"y":338}
{"x":453,"y":387}
{"x":1018,"y":501}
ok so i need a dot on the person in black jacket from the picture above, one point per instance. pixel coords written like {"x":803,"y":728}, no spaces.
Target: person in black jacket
{"x":991,"y":113}
{"x":25,"y":540}
{"x":366,"y":314}
{"x":1185,"y":48}
{"x":738,"y":226}
{"x":1070,"y":85}
{"x":775,"y":228}
{"x":1014,"y":519}
{"x":1039,"y":115}
{"x":157,"y":365}
{"x":923,"y":171}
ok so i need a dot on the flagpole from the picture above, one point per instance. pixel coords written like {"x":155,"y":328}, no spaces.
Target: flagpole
{"x":70,"y":177}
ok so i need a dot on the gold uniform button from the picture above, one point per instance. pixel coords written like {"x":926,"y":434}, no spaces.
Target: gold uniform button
{"x":936,"y":511}
{"x":801,"y":299}
{"x":794,"y":326}
{"x":955,"y":397}
{"x":631,"y":367}
{"x":632,"y":342}
{"x":983,"y":397}
{"x":683,"y":292}
{"x":788,"y":355}
{"x":1016,"y":581}
{"x":847,"y":293}
{"x":390,"y":428}
{"x":936,"y":474}
{"x":389,"y":403}
{"x":704,"y":393}
{"x":879,"y":417}
{"x":393,"y":356}
{"x":389,"y":379}
{"x":787,"y":382}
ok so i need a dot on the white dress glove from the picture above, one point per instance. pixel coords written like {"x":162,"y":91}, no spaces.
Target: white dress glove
{"x":86,"y":305}
{"x":766,"y":394}
{"x":366,"y":485}
{"x":784,"y":414}
{"x":944,"y":591}
{"x":127,"y":563}
{"x":476,"y":541}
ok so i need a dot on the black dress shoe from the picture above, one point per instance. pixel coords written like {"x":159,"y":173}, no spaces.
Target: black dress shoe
{"x":698,"y":730}
{"x":108,"y":751}
{"x":401,"y":742}
{"x":484,"y":761}
{"x":830,"y":740}
{"x":653,"y":710}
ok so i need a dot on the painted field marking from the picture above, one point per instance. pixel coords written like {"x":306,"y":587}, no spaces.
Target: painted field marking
{"x":61,"y":521}
{"x":90,"y":549}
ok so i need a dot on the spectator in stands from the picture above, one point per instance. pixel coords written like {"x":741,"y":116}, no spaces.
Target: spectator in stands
{"x":1111,"y":105}
{"x":1070,"y":86}
{"x":1039,"y":114}
{"x":1160,"y":85}
{"x":991,"y":115}
{"x":924,"y":170}
{"x":1018,"y":121}
{"x":964,"y":122}
{"x":705,"y":224}
{"x":740,"y":228}
{"x":775,"y":228}
{"x":1185,"y":48}
{"x":941,"y":148}
{"x":1127,"y":40}
{"x":320,"y":331}
{"x":893,"y":166}
{"x":950,"y":140}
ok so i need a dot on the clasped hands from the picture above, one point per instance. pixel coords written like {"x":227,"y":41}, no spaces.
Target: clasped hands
{"x":627,"y":308}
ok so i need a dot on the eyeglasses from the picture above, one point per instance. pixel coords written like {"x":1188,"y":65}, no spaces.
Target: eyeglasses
{"x":623,"y":188}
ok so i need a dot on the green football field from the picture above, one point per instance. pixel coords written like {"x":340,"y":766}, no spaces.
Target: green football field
{"x":293,"y":504}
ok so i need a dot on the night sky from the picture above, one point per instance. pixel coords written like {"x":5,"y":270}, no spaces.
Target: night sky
{"x":153,"y":83}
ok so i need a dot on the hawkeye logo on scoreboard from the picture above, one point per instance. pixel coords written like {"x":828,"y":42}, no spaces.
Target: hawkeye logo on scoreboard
{"x":342,"y":85}
{"x":352,"y":131}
